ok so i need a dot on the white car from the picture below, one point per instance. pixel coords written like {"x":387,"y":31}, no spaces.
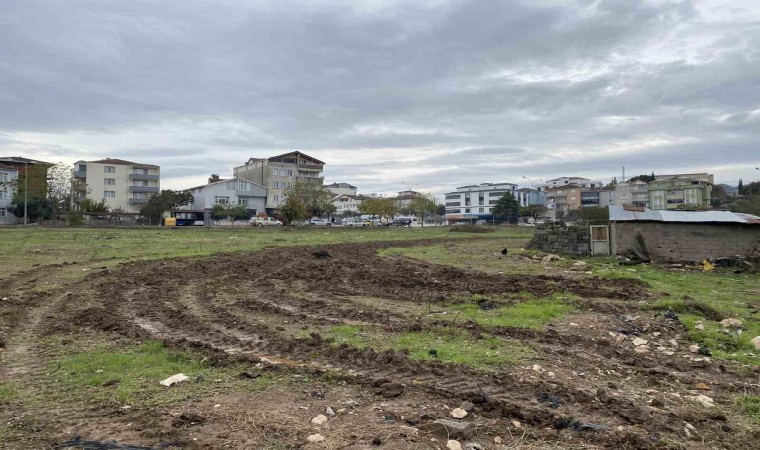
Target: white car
{"x":319,"y":223}
{"x":264,"y":222}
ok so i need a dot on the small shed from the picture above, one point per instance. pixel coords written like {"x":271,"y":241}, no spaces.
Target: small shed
{"x":675,"y":236}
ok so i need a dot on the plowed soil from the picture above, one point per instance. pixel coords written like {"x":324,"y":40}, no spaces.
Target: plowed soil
{"x":584,"y":387}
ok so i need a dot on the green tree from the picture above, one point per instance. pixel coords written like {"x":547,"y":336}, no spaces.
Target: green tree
{"x":423,"y":205}
{"x":534,"y":211}
{"x":164,"y":201}
{"x":506,"y":207}
{"x":747,"y":204}
{"x":644,"y":178}
{"x":380,"y":207}
{"x":91,"y":206}
{"x":740,"y":188}
{"x":294,"y":208}
{"x":314,"y":198}
{"x":37,"y":207}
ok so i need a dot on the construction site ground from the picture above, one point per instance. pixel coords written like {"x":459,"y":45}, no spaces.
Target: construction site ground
{"x":383,"y":332}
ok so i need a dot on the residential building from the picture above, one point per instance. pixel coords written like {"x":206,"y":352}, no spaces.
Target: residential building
{"x":529,"y":197}
{"x":124,"y":185}
{"x":680,"y":192}
{"x":633,"y":193}
{"x":37,"y":182}
{"x":703,"y":176}
{"x":565,"y":181}
{"x":476,"y":201}
{"x":232,"y":191}
{"x":8,"y":177}
{"x":278,"y":174}
{"x":597,"y":197}
{"x":564,"y":198}
{"x":404,"y":198}
{"x":341,"y":188}
{"x":346,"y":204}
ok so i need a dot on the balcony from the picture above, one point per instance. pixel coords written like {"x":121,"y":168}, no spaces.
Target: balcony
{"x":310,"y":167}
{"x":142,"y":177}
{"x":80,"y":174}
{"x":138,"y":201}
{"x":151,"y":189}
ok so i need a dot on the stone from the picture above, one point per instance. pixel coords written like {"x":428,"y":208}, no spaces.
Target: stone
{"x":756,"y":342}
{"x":315,"y":438}
{"x":497,"y":440}
{"x":579,"y":266}
{"x":704,"y":400}
{"x":174,"y":379}
{"x":673,"y":343}
{"x":731,"y":322}
{"x":329,"y":411}
{"x":699,"y":326}
{"x":702,"y":387}
{"x":694,"y":348}
{"x":537,"y":368}
{"x":453,"y":445}
{"x":458,"y":413}
{"x":639,"y":341}
{"x":390,"y":390}
{"x":516,"y":424}
{"x":449,"y":428}
{"x":473,"y":446}
{"x":341,"y":410}
{"x":467,"y":406}
{"x":319,"y":420}
{"x":642,"y":349}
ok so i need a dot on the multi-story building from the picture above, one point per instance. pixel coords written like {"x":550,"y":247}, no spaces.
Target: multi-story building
{"x":632,"y":193}
{"x":564,"y":198}
{"x":37,"y":182}
{"x":476,"y":201}
{"x":680,"y":192}
{"x":346,"y":204}
{"x":566,"y":181}
{"x":341,"y":188}
{"x":597,"y":197}
{"x":234,"y":191}
{"x":703,"y":176}
{"x":278,"y":174}
{"x":529,"y":197}
{"x":124,"y":185}
{"x":8,"y":177}
{"x":404,"y":198}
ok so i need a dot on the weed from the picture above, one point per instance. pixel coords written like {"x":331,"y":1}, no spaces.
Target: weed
{"x":348,"y":334}
{"x":530,"y":314}
{"x":750,"y":405}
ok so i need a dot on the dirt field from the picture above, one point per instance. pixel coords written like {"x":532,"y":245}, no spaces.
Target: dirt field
{"x":272,"y":338}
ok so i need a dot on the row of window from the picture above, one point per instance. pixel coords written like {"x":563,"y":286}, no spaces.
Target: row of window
{"x":3,"y":177}
{"x":466,"y":211}
{"x":282,"y":172}
{"x":282,"y":184}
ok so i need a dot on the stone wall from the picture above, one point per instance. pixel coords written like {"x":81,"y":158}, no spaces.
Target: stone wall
{"x":677,"y":242}
{"x":556,"y":237}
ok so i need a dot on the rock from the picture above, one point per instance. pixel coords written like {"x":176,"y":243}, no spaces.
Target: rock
{"x":642,"y":349}
{"x":473,"y":446}
{"x":174,"y":379}
{"x":619,"y":338}
{"x":756,"y":342}
{"x":449,"y":428}
{"x":458,"y":413}
{"x":550,"y":257}
{"x":537,"y":368}
{"x":702,"y":387}
{"x":731,"y":322}
{"x":390,"y":390}
{"x":467,"y":406}
{"x":516,"y":424}
{"x":319,"y":420}
{"x":699,"y":326}
{"x":694,"y":348}
{"x":329,"y":411}
{"x":673,"y":343}
{"x":315,"y":438}
{"x":377,"y":441}
{"x":579,"y":266}
{"x":497,"y":440}
{"x":639,"y":341}
{"x":341,"y":410}
{"x":704,"y":400}
{"x":453,"y":445}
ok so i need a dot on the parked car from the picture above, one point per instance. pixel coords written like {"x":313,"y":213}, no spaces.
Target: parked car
{"x":319,"y":223}
{"x":299,"y":223}
{"x":400,"y":222}
{"x":354,"y":222}
{"x":264,"y":222}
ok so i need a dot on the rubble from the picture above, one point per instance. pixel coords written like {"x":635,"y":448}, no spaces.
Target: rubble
{"x":174,"y":379}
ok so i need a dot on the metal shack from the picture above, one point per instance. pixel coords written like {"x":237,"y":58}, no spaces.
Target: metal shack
{"x":685,"y":235}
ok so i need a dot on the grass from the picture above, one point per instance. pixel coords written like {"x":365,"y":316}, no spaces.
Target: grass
{"x":131,"y":376}
{"x":352,"y":335}
{"x":531,"y":314}
{"x":7,"y":392}
{"x":750,"y":405}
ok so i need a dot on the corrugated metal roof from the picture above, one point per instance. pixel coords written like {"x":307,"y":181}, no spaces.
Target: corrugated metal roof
{"x":619,"y":214}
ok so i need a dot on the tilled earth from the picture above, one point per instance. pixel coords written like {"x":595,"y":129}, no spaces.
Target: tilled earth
{"x":585,"y":386}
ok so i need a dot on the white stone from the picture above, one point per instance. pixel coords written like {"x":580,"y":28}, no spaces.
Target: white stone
{"x":174,"y":379}
{"x":694,"y":348}
{"x":699,"y":326}
{"x":537,"y":368}
{"x":731,"y":322}
{"x":497,"y":440}
{"x":458,"y":413}
{"x":516,"y":424}
{"x":453,"y":445}
{"x":315,"y":438}
{"x":673,"y":343}
{"x":704,"y":400}
{"x":639,"y":341}
{"x":329,"y":411}
{"x":319,"y":420}
{"x":642,"y":349}
{"x":756,"y":342}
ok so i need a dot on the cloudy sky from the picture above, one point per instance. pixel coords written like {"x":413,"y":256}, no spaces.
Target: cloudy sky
{"x":435,"y":93}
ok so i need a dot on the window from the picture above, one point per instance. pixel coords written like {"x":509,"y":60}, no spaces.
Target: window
{"x":243,"y":201}
{"x":141,"y":171}
{"x":598,"y":233}
{"x":3,"y":212}
{"x":453,"y":197}
{"x":690,"y":196}
{"x":3,"y":193}
{"x":282,"y":172}
{"x":481,"y":210}
{"x":282,"y":184}
{"x":481,"y":199}
{"x":278,"y":198}
{"x":109,"y":194}
{"x":3,"y":177}
{"x":109,"y":169}
{"x":453,"y":203}
{"x":467,"y":210}
{"x":221,"y":200}
{"x":467,"y":200}
{"x":109,"y":181}
{"x":140,"y":195}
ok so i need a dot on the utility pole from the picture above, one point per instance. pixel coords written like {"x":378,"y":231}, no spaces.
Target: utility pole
{"x":26,"y":190}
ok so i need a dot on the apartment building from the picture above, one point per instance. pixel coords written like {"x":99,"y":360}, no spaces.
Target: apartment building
{"x":529,"y":197}
{"x":564,"y":198}
{"x":632,"y":193}
{"x":37,"y":182}
{"x":346,"y":204}
{"x":341,"y":188}
{"x":476,"y":200}
{"x":8,"y":177}
{"x":566,"y":181}
{"x":279,"y":173}
{"x":404,"y":198}
{"x":124,"y":185}
{"x":680,"y":192}
{"x":597,"y":197}
{"x":234,"y":191}
{"x":703,"y":176}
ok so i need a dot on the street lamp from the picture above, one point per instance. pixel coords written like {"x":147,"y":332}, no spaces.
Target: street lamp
{"x":532,"y":184}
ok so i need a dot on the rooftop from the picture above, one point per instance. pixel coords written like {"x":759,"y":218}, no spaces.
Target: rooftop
{"x":121,"y":162}
{"x":637,"y":214}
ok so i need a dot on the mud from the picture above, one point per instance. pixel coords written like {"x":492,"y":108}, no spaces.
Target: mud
{"x":237,"y":307}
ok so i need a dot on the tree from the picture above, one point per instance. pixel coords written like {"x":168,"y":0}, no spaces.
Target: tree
{"x":740,"y":188}
{"x":507,"y":207}
{"x":314,"y":198}
{"x":534,"y":211}
{"x":440,"y":210}
{"x":380,"y":207}
{"x":91,"y":206}
{"x":164,"y":201}
{"x":422,"y":205}
{"x":752,"y":188}
{"x":644,"y":178}
{"x":230,"y":211}
{"x":294,"y":208}
{"x":38,"y":208}
{"x":747,"y":204}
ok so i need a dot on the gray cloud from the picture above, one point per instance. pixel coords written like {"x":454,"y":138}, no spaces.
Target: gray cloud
{"x":444,"y":92}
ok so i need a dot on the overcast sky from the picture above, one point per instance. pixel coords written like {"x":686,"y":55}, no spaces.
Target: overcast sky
{"x":434,"y":93}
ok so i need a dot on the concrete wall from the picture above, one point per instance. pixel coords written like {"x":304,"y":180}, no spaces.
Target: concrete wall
{"x":556,"y":237}
{"x":685,"y":241}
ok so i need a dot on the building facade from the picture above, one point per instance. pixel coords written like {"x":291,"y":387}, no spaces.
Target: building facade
{"x":679,"y":192}
{"x":235,"y":191}
{"x":8,"y":177}
{"x":341,"y":188}
{"x":566,"y":181}
{"x":564,"y":198}
{"x":529,"y":197}
{"x":347,"y":205}
{"x":279,"y":173}
{"x":632,"y":193}
{"x":597,"y":197}
{"x":124,"y":185}
{"x":37,"y":170}
{"x":476,"y":201}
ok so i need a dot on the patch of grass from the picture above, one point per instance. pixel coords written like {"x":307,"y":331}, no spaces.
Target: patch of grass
{"x":721,"y":343}
{"x":352,"y":335}
{"x":530,"y":314}
{"x":750,"y":405}
{"x":456,"y":346}
{"x":7,"y":392}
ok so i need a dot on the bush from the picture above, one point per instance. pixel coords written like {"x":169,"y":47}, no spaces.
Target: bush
{"x":76,"y":219}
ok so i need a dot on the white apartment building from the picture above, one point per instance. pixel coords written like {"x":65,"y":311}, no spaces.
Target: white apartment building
{"x":8,"y":177}
{"x":345,"y":203}
{"x":341,"y":188}
{"x":124,"y":185}
{"x":634,"y":193}
{"x":564,"y":181}
{"x":473,"y":200}
{"x":235,"y":191}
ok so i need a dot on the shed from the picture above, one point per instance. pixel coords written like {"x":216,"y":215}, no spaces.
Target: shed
{"x":675,"y":236}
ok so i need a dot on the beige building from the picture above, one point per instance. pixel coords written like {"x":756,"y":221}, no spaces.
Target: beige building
{"x":124,"y":185}
{"x":564,"y":198}
{"x":632,"y":193}
{"x":342,"y":188}
{"x":278,"y":174}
